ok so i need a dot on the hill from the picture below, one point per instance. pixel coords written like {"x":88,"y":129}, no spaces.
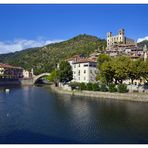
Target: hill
{"x":141,"y":44}
{"x":43,"y":59}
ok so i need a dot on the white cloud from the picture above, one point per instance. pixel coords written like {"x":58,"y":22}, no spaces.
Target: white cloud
{"x":142,"y":39}
{"x":20,"y":44}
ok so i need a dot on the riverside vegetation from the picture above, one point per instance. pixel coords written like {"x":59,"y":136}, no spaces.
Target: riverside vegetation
{"x":112,"y":73}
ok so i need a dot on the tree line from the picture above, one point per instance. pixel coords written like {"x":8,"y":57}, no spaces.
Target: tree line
{"x":116,"y":70}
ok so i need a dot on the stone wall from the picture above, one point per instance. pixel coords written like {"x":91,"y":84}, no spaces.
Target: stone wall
{"x":139,"y":97}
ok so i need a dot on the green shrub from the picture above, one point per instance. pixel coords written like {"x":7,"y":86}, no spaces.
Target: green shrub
{"x":103,"y":88}
{"x":74,"y":85}
{"x":122,"y":88}
{"x":112,"y":87}
{"x":82,"y":86}
{"x":89,"y":86}
{"x":95,"y":87}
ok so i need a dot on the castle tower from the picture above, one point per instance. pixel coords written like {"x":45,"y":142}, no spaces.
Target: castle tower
{"x":121,"y":36}
{"x":109,"y":37}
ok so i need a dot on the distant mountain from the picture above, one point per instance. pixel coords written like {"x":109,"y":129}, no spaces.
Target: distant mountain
{"x":141,"y":44}
{"x":43,"y":59}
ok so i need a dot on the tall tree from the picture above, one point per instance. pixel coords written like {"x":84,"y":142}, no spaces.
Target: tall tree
{"x":102,"y":58}
{"x":53,"y":77}
{"x":65,"y":73}
{"x":107,"y":72}
{"x":121,"y":66}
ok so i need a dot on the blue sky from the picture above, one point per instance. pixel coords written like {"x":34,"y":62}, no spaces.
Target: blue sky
{"x":23,"y":26}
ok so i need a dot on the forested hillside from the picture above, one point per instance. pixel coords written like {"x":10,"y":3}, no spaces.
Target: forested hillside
{"x":45,"y":58}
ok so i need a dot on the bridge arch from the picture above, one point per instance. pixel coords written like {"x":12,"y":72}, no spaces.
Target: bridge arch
{"x":35,"y":78}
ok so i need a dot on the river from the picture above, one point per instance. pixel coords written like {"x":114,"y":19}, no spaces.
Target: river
{"x":38,"y":115}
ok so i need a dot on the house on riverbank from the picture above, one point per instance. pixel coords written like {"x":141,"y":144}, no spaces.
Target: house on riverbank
{"x":11,"y":72}
{"x":84,"y":69}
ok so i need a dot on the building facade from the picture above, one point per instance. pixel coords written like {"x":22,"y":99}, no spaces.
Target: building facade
{"x":11,"y":72}
{"x":84,"y":69}
{"x":27,"y":74}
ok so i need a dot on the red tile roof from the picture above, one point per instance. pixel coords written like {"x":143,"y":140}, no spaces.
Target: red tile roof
{"x":8,"y":66}
{"x":85,"y":60}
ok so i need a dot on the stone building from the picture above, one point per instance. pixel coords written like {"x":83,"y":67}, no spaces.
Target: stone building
{"x":120,"y":38}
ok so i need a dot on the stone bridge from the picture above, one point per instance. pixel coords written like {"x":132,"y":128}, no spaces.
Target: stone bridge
{"x":35,"y":78}
{"x":31,"y":81}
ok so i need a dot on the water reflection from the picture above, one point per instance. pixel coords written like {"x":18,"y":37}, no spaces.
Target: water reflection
{"x":43,"y":116}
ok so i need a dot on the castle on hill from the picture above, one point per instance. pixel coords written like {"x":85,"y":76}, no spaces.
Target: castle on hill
{"x":119,"y":39}
{"x":121,"y":45}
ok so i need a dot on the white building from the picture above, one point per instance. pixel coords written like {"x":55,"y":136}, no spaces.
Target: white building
{"x":84,"y":70}
{"x":27,"y":74}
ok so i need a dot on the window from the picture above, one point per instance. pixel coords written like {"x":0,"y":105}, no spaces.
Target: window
{"x":90,"y":71}
{"x":79,"y":73}
{"x":84,"y":78}
{"x":79,"y":65}
{"x":74,"y":66}
{"x":86,"y":65}
{"x":84,"y":71}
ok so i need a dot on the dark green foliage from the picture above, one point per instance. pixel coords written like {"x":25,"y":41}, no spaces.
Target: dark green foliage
{"x":112,"y":87}
{"x":74,"y":85}
{"x":95,"y":87}
{"x":53,"y":77}
{"x":122,"y":88}
{"x":102,"y":58}
{"x":121,"y":68}
{"x":103,"y":88}
{"x":44,"y":59}
{"x":65,"y":73}
{"x":82,"y":86}
{"x":89,"y":86}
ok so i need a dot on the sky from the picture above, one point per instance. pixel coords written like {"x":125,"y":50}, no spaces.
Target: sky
{"x":26,"y":26}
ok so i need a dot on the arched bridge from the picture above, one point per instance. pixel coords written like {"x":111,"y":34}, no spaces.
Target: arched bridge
{"x":35,"y":78}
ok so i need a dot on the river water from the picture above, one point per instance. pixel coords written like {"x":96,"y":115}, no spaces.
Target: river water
{"x":38,"y":115}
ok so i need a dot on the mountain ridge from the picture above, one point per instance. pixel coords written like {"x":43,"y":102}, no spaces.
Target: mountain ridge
{"x":44,"y":59}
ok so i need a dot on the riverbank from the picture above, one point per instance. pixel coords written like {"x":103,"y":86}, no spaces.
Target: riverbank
{"x":138,"y":97}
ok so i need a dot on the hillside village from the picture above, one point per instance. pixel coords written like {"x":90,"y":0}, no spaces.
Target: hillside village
{"x":85,"y":69}
{"x":84,"y":64}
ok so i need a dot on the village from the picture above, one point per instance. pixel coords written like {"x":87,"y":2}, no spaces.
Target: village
{"x":85,"y":69}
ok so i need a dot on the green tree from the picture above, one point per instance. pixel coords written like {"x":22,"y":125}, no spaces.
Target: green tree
{"x":121,"y":66}
{"x":53,"y":77}
{"x":65,"y":73}
{"x":102,"y":58}
{"x":137,"y":70}
{"x":107,"y":72}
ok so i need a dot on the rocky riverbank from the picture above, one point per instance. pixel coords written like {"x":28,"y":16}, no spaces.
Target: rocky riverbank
{"x":138,"y":97}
